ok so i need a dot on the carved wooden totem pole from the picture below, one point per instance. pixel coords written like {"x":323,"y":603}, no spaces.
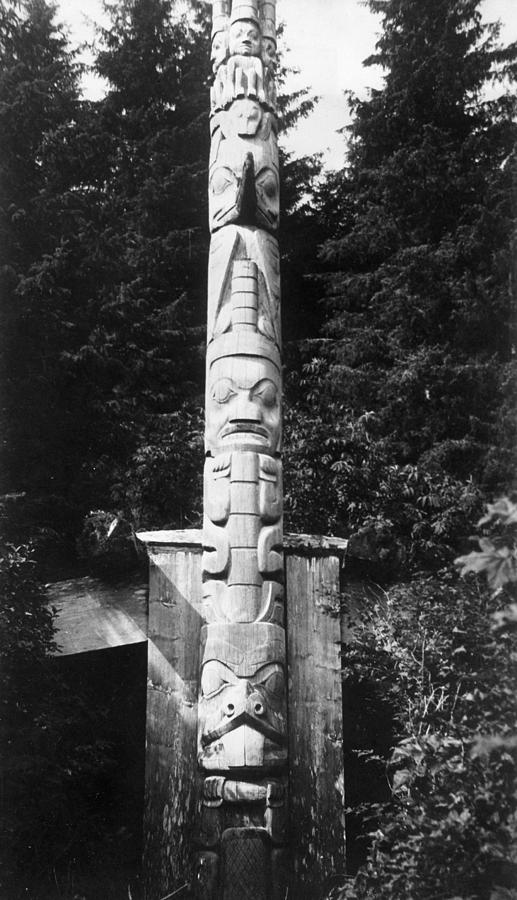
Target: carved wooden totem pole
{"x":242,"y":724}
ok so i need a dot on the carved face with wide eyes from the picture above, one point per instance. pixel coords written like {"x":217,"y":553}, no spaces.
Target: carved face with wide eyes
{"x":241,"y":717}
{"x":245,"y":39}
{"x":243,"y":403}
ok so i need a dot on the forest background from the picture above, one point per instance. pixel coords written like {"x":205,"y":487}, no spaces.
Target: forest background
{"x":398,"y":315}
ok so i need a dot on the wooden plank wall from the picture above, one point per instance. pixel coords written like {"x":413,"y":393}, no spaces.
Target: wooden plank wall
{"x":315,"y":714}
{"x":316,"y":775}
{"x":171,"y":768}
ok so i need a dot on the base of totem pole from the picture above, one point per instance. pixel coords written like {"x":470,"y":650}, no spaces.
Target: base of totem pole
{"x":316,"y":848}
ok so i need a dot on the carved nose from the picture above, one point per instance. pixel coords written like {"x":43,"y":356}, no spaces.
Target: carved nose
{"x":255,"y":704}
{"x":246,"y":411}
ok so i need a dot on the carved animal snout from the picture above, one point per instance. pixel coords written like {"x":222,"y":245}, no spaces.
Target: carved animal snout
{"x":249,"y":700}
{"x":229,"y":710}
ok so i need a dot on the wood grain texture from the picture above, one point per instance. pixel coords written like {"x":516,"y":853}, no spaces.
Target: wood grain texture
{"x":315,"y":722}
{"x":171,"y":769}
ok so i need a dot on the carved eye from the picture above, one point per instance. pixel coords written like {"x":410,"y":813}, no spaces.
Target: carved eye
{"x":213,"y":678}
{"x":266,"y":392}
{"x":271,"y":677}
{"x":268,"y":183}
{"x":223,"y":390}
{"x":222,"y":179}
{"x":275,"y":684}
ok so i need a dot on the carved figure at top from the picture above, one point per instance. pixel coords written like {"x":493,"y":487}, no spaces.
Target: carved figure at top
{"x":244,"y":28}
{"x":244,"y":38}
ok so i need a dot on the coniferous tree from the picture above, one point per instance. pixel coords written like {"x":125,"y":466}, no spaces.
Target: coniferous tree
{"x":104,"y":216}
{"x":417,"y":343}
{"x":38,"y":103}
{"x":143,"y":283}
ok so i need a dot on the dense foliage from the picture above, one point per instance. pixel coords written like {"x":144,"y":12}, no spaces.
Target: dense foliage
{"x":436,"y":658}
{"x":104,"y":207}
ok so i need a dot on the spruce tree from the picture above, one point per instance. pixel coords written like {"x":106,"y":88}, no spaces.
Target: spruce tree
{"x":106,"y":311}
{"x":416,"y":349}
{"x":38,"y":103}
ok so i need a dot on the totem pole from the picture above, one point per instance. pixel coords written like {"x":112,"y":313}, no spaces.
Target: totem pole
{"x":242,"y":717}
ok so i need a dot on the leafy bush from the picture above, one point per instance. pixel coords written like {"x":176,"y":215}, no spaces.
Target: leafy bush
{"x":340,"y":479}
{"x":440,"y":652}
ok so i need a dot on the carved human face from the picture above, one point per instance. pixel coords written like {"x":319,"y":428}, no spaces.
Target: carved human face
{"x":242,"y":708}
{"x":219,"y":49}
{"x":269,"y":52}
{"x":245,"y":38}
{"x":243,"y":403}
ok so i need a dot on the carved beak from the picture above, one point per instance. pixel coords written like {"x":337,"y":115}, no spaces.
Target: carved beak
{"x":249,"y":708}
{"x":246,"y":203}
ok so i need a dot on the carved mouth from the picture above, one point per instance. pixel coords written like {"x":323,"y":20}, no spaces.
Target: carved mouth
{"x":244,"y":718}
{"x":245,"y":428}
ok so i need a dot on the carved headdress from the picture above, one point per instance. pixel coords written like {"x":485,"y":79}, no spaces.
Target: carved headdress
{"x":246,"y":10}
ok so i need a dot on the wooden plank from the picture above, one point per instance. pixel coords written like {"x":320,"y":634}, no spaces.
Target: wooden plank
{"x":92,"y":615}
{"x":315,"y":722}
{"x":190,"y":537}
{"x":301,"y":543}
{"x":314,"y":544}
{"x":171,"y":766}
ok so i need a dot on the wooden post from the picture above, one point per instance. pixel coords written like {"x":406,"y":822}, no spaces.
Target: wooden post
{"x":171,"y":787}
{"x":242,"y":712}
{"x":316,"y":779}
